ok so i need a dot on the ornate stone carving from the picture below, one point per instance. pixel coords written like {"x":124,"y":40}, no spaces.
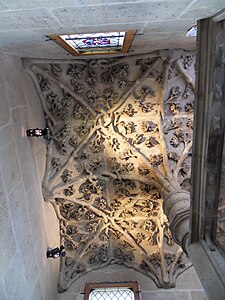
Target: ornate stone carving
{"x":119,"y":152}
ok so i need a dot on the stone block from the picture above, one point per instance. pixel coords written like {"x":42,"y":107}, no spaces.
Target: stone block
{"x":28,"y":173}
{"x":38,"y":229}
{"x":26,"y":19}
{"x":198,"y":295}
{"x":23,"y":232}
{"x":203,"y":8}
{"x":52,"y":224}
{"x":28,"y":258}
{"x":81,"y":28}
{"x":2,"y":289}
{"x":31,"y":275}
{"x":14,"y":81}
{"x":48,"y":274}
{"x":21,"y":37}
{"x":112,"y":13}
{"x":7,"y":240}
{"x":4,"y":111}
{"x":36,"y":293}
{"x":188,"y":280}
{"x":26,"y":4}
{"x":113,"y":273}
{"x":10,"y":167}
{"x":6,"y":136}
{"x":169,"y":295}
{"x":20,"y":124}
{"x":20,"y":217}
{"x":68,"y":296}
{"x":168,"y":26}
{"x":40,"y":158}
{"x":42,"y":49}
{"x":14,"y":281}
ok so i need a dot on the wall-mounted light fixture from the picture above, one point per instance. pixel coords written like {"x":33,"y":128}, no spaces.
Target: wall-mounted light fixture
{"x":38,"y":132}
{"x":192,"y":32}
{"x":56,"y":252}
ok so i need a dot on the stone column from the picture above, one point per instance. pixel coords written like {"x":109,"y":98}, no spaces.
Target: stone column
{"x":177,"y":209}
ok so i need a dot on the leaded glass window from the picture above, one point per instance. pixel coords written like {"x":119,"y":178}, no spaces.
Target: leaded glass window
{"x":112,"y":41}
{"x":112,"y":294}
{"x":95,"y":43}
{"x":112,"y":291}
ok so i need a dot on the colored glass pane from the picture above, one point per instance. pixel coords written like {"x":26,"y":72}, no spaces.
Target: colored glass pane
{"x":106,"y":41}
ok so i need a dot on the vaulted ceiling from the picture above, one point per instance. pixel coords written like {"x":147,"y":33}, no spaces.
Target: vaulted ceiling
{"x":120,"y":141}
{"x":24,"y":24}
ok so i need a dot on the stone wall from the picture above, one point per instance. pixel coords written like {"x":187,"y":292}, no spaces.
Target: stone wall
{"x":28,"y":225}
{"x":188,"y":286}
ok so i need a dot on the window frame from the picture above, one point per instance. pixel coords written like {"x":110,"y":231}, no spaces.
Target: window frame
{"x":209,"y":131}
{"x":89,"y":287}
{"x":129,"y":36}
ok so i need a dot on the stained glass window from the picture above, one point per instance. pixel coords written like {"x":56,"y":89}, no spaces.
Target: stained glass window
{"x":104,"y":41}
{"x":95,"y":43}
{"x":112,"y":294}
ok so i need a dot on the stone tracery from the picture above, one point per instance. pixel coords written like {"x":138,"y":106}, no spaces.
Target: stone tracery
{"x":119,"y":152}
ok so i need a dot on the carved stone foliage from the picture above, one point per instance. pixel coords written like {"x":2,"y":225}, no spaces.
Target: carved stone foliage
{"x":121,"y":132}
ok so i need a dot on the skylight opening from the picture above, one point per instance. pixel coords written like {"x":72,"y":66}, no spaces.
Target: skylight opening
{"x":95,"y":43}
{"x":112,"y":41}
{"x":112,"y":293}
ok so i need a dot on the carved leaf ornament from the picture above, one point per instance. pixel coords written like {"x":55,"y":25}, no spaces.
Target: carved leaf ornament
{"x":121,"y":133}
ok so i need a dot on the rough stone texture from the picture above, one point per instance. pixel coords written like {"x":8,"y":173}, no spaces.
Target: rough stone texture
{"x":2,"y":289}
{"x":25,"y":273}
{"x":188,"y":285}
{"x":173,"y":295}
{"x":83,"y":157}
{"x":24,"y":23}
{"x":198,"y":295}
{"x":4,"y":112}
{"x":32,"y":277}
{"x":7,"y":241}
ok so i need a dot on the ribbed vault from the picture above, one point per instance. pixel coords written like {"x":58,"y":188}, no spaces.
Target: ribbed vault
{"x":120,"y":141}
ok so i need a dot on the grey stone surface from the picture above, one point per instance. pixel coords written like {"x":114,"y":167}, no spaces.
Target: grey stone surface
{"x":198,"y":295}
{"x":189,"y":279}
{"x":6,"y":135}
{"x":36,"y":292}
{"x":25,"y":19}
{"x":10,"y":167}
{"x":14,"y":81}
{"x":40,"y":163}
{"x":24,"y":24}
{"x":173,"y":295}
{"x":206,"y":8}
{"x":4,"y":111}
{"x":28,"y":173}
{"x":181,"y":25}
{"x":14,"y":280}
{"x":19,"y":212}
{"x":70,"y":297}
{"x":142,"y":11}
{"x":7,"y":240}
{"x":20,"y":124}
{"x":25,"y":273}
{"x":2,"y":289}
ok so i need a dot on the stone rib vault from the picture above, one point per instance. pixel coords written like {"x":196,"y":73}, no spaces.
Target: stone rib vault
{"x":117,"y":157}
